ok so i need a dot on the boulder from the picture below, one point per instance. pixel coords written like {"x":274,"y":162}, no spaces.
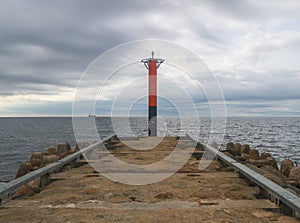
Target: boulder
{"x":237,"y":149}
{"x":234,"y":149}
{"x":270,"y":173}
{"x":24,"y":168}
{"x":36,"y":155}
{"x":70,"y":152}
{"x":76,"y":147}
{"x":273,"y":170}
{"x":68,"y":147}
{"x":275,"y":179}
{"x":61,"y":149}
{"x":264,"y":155}
{"x":35,"y":162}
{"x":245,"y":156}
{"x":245,"y":149}
{"x":295,"y":174}
{"x":272,"y":161}
{"x":52,"y":150}
{"x":253,"y":154}
{"x":293,"y":182}
{"x":49,"y":159}
{"x":23,"y":191}
{"x":230,"y":146}
{"x":45,"y":153}
{"x":286,"y":166}
{"x":35,"y":184}
{"x":241,"y":158}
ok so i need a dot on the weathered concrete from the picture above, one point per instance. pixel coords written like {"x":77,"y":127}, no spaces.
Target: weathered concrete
{"x":190,"y":195}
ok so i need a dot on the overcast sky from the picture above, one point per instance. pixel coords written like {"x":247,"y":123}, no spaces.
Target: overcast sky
{"x":252,"y":47}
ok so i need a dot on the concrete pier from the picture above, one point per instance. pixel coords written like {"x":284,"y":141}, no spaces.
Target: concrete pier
{"x":216,"y":194}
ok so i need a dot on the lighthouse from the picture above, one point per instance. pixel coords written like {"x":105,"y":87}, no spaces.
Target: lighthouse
{"x":152,"y":64}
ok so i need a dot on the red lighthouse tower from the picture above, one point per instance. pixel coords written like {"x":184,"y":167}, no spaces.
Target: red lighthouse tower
{"x":152,"y":64}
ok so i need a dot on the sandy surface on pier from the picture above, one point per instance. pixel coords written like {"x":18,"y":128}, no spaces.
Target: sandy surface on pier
{"x":216,"y":194}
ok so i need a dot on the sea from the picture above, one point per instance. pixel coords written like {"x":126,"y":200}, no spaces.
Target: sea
{"x":20,"y":137}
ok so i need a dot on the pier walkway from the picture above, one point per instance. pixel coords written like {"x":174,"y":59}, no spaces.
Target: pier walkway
{"x":216,"y":194}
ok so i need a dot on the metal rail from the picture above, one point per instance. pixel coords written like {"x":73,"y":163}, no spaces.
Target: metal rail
{"x":8,"y":188}
{"x":289,"y":202}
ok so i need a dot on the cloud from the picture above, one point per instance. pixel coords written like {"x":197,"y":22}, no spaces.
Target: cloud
{"x":251,"y":46}
{"x":261,"y":107}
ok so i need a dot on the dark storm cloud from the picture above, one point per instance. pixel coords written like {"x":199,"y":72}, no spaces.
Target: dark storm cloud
{"x":44,"y":40}
{"x":75,"y":27}
{"x":45,"y":46}
{"x":33,"y":79}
